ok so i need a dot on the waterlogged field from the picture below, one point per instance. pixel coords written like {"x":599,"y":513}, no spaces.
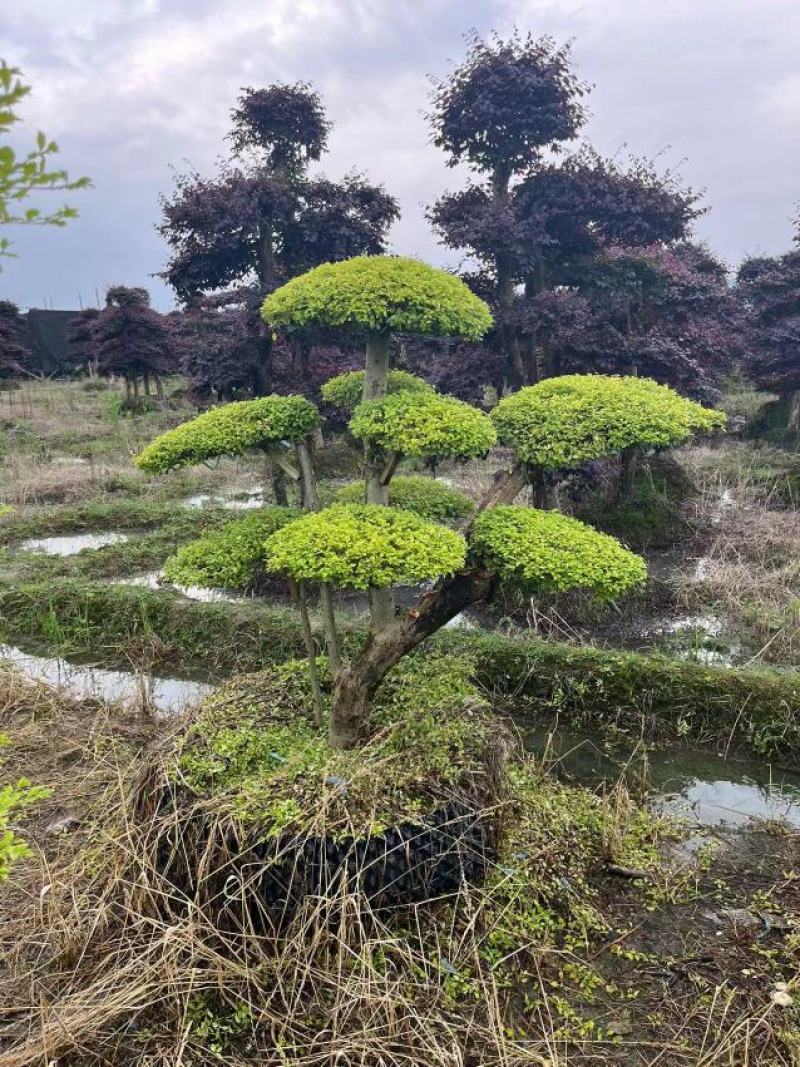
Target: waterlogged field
{"x":673,"y":942}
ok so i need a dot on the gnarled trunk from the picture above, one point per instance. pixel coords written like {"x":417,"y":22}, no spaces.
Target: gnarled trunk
{"x":358,"y":683}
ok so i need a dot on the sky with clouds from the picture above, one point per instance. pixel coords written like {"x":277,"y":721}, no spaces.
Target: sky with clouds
{"x":134,"y":89}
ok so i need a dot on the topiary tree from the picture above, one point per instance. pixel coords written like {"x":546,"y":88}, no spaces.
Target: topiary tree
{"x":564,"y":423}
{"x":380,"y":295}
{"x":375,"y":546}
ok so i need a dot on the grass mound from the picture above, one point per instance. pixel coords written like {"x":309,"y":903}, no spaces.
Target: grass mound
{"x":254,"y":755}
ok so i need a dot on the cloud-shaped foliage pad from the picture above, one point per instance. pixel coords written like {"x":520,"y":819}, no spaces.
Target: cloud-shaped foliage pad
{"x":358,"y":546}
{"x":229,"y":558}
{"x":567,"y":421}
{"x":544,"y":551}
{"x":230,"y":430}
{"x":425,"y":496}
{"x":425,"y":425}
{"x":381,"y":294}
{"x":345,"y":390}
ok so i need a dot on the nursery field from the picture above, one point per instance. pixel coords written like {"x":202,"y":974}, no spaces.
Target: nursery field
{"x":659,"y":841}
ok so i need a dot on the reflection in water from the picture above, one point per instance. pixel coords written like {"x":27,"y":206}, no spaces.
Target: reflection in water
{"x":84,"y":681}
{"x":681,"y":782}
{"x":71,"y":544}
{"x":234,"y":501}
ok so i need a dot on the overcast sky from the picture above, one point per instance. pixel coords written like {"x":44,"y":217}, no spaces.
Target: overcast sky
{"x":133,"y":88}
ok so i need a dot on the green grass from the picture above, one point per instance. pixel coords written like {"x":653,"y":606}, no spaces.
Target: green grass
{"x":757,"y":709}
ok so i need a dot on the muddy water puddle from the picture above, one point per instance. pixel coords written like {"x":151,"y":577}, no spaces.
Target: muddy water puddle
{"x":87,"y":681}
{"x":701,"y":787}
{"x":72,"y":544}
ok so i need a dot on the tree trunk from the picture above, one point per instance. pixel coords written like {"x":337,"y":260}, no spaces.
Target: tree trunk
{"x":159,"y":387}
{"x":376,"y":381}
{"x":275,"y":476}
{"x":298,"y":592}
{"x":628,"y":465}
{"x":543,"y":489}
{"x":793,"y":419}
{"x":358,"y":683}
{"x":308,"y":480}
{"x":147,"y":385}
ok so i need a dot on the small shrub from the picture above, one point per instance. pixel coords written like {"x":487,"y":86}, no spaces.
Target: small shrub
{"x":426,"y":497}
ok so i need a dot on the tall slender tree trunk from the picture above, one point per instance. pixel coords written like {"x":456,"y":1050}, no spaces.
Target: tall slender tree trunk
{"x":793,"y":418}
{"x":276,"y":477}
{"x":376,"y":382}
{"x":308,"y":481}
{"x":298,"y":593}
{"x":262,"y":383}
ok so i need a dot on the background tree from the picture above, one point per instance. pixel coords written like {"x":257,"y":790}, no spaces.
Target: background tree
{"x":263,"y":219}
{"x":26,"y":175}
{"x":14,"y":350}
{"x":769,"y":288}
{"x":134,"y":341}
{"x":531,"y":223}
{"x":83,"y":340}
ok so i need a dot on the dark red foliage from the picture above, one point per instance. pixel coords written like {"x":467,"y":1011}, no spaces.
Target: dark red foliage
{"x":548,"y":236}
{"x":259,"y":223}
{"x":286,"y":123}
{"x":14,"y":350}
{"x":506,"y":102}
{"x":82,"y":337}
{"x":132,"y":339}
{"x":770,"y":290}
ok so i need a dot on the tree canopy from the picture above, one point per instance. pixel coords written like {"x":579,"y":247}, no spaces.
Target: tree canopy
{"x":380,"y":294}
{"x":230,"y":430}
{"x":364,"y":546}
{"x":425,"y":425}
{"x":427,"y":497}
{"x":543,"y":551}
{"x":566,"y":422}
{"x":346,"y":390}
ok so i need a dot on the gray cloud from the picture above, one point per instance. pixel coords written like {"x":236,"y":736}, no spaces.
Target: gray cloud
{"x":131,"y":89}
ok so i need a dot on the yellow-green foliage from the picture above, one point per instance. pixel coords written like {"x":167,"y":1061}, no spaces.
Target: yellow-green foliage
{"x":381,"y":294}
{"x":567,"y":421}
{"x":431,"y":499}
{"x":345,"y":390}
{"x":424,"y":424}
{"x":357,"y":546}
{"x":547,"y":551}
{"x":231,"y":557}
{"x":230,"y":430}
{"x":254,"y":749}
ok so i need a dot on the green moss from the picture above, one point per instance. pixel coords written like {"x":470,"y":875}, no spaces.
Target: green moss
{"x":230,"y":558}
{"x":345,"y":390}
{"x":548,"y":552}
{"x":362,"y":546}
{"x":426,"y":497}
{"x":568,"y":421}
{"x":424,"y":425}
{"x":230,"y":430}
{"x":254,"y":750}
{"x":383,"y":294}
